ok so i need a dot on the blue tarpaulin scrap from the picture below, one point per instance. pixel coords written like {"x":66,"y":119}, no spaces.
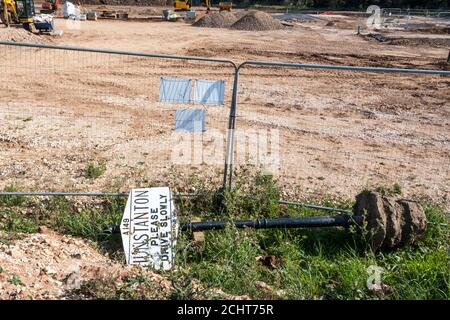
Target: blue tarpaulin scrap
{"x":175,"y":90}
{"x":190,"y":120}
{"x":209,"y":92}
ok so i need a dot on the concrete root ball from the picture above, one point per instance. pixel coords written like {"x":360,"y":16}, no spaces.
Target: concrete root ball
{"x":391,"y":222}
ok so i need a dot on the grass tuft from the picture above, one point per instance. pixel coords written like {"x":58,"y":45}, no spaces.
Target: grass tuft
{"x":95,"y":170}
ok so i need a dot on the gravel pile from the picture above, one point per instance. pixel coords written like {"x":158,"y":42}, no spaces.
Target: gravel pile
{"x":241,"y":20}
{"x":257,"y":21}
{"x":222,"y":19}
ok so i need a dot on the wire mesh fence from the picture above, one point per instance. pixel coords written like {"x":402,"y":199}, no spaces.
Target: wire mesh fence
{"x":68,"y":109}
{"x":78,"y":119}
{"x":335,"y":132}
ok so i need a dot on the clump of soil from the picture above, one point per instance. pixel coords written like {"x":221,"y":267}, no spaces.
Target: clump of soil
{"x":222,"y":19}
{"x":21,"y":35}
{"x":257,"y":21}
{"x":391,"y":222}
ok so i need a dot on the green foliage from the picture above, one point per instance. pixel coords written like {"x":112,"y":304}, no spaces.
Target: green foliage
{"x":252,"y":197}
{"x":9,"y":201}
{"x":311,"y":263}
{"x":15,"y":280}
{"x":396,"y":189}
{"x":327,"y":263}
{"x":95,"y":170}
{"x":136,"y":287}
{"x":11,"y":221}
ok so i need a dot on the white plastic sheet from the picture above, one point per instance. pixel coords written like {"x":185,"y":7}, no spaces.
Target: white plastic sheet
{"x":209,"y":92}
{"x":175,"y":90}
{"x":190,"y":120}
{"x":69,"y":9}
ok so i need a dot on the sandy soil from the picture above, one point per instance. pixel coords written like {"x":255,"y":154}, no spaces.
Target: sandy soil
{"x":339,"y":131}
{"x":48,"y":265}
{"x":51,"y":266}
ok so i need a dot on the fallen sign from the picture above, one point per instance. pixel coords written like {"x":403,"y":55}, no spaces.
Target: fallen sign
{"x":149,"y":228}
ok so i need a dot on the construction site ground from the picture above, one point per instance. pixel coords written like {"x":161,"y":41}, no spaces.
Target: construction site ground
{"x":339,"y":131}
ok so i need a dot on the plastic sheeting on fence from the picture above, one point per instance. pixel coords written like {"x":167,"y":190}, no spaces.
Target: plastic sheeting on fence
{"x":190,"y":120}
{"x":209,"y":92}
{"x":175,"y":90}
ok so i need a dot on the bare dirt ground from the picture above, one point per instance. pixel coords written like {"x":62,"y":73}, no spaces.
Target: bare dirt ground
{"x":339,"y":131}
{"x":48,"y":265}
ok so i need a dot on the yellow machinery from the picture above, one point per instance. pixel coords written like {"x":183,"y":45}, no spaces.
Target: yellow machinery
{"x":182,"y":5}
{"x":225,"y":6}
{"x":17,"y":12}
{"x":185,"y":5}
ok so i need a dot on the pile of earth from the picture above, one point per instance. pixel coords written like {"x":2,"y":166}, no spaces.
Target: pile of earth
{"x":243,"y":20}
{"x":257,"y":21}
{"x":21,"y":35}
{"x":48,"y":265}
{"x":222,"y":19}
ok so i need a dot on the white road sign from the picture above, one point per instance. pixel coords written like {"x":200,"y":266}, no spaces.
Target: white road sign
{"x":149,"y":228}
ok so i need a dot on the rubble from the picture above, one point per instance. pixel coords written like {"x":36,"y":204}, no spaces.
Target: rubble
{"x":48,"y":266}
{"x":21,"y":35}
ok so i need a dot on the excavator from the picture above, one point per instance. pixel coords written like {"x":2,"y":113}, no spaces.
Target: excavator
{"x":185,"y":5}
{"x":17,"y":12}
{"x":22,"y":12}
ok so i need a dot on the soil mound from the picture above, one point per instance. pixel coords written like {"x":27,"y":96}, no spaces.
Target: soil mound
{"x":257,"y":21}
{"x":21,"y":35}
{"x":50,"y":266}
{"x":222,"y":19}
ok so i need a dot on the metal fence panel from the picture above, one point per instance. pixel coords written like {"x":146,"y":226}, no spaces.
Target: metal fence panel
{"x":66,"y":108}
{"x":331,"y":131}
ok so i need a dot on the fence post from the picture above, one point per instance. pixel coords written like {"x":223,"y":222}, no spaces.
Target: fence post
{"x":229,"y":152}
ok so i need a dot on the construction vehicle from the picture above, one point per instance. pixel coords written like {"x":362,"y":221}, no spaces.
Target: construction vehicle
{"x":182,"y":5}
{"x":50,"y":6}
{"x":17,"y":12}
{"x":225,"y":6}
{"x":22,"y":12}
{"x":185,"y":5}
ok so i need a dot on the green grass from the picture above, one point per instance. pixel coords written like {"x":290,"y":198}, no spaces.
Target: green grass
{"x":310,"y":264}
{"x":314,"y":264}
{"x":95,"y":170}
{"x":396,"y":189}
{"x":15,"y":280}
{"x":136,"y":287}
